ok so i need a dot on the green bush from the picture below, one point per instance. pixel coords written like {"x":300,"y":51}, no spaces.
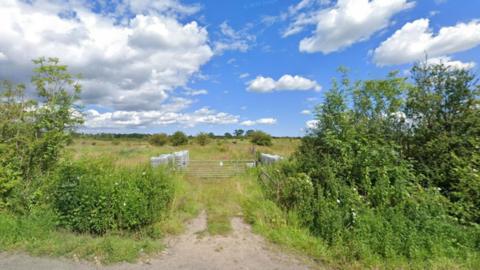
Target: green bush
{"x":158,"y":139}
{"x":34,"y":129}
{"x":95,"y":196}
{"x":203,"y":139}
{"x":179,"y":138}
{"x":260,"y":138}
{"x":383,"y":188}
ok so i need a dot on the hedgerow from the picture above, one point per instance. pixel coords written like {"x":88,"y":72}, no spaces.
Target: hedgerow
{"x":362,"y":179}
{"x":95,"y":196}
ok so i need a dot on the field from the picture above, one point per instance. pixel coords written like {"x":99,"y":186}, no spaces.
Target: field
{"x":136,"y":151}
{"x":221,"y":199}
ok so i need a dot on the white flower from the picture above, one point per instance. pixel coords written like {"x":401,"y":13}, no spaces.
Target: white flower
{"x":338,"y":200}
{"x":124,"y":204}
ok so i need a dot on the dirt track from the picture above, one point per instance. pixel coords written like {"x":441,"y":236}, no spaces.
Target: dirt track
{"x":239,"y":250}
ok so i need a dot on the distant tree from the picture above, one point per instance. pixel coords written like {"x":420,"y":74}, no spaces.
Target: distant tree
{"x":211,"y":135}
{"x":261,"y":138}
{"x":203,"y":138}
{"x":178,"y":138}
{"x":228,"y":135}
{"x":249,"y":132}
{"x":158,"y":139}
{"x":238,"y":132}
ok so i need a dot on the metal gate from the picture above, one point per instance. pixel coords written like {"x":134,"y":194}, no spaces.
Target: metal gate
{"x":218,"y":168}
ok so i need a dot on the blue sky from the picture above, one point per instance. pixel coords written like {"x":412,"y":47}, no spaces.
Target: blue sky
{"x":216,"y":66}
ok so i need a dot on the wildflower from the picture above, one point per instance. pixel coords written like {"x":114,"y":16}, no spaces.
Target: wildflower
{"x":124,"y":204}
{"x":338,"y":200}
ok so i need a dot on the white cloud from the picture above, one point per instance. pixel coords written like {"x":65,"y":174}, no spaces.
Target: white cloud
{"x":248,"y":123}
{"x":261,"y":121}
{"x":194,"y":92}
{"x":232,"y":40}
{"x":306,"y":112}
{"x":172,"y":7}
{"x":267,"y":121}
{"x":285,"y":83}
{"x":127,"y":66}
{"x":311,"y":124}
{"x":342,"y":25}
{"x":139,"y":119}
{"x":415,"y":40}
{"x":2,"y":56}
{"x":454,"y":64}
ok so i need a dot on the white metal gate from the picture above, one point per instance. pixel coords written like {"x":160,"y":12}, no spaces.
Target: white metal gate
{"x":218,"y":168}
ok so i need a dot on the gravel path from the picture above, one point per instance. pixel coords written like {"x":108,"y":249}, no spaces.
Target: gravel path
{"x":239,"y":250}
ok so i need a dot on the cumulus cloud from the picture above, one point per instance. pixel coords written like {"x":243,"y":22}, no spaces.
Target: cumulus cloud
{"x":126,"y":66}
{"x":339,"y":26}
{"x":233,"y":40}
{"x":140,"y":119}
{"x":454,"y":64}
{"x":415,"y":40}
{"x":285,"y":83}
{"x":311,"y":124}
{"x":2,"y":56}
{"x":261,"y":121}
{"x":195,"y":92}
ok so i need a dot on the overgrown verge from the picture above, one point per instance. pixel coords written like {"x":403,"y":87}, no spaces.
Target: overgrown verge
{"x":387,"y":178}
{"x":96,"y":211}
{"x":348,"y":232}
{"x":97,"y":197}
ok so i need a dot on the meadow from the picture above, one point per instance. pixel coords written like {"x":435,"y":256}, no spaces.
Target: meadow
{"x":138,"y":151}
{"x":222,"y":199}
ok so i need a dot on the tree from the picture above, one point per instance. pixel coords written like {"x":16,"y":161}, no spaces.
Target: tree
{"x":238,"y":132}
{"x":444,"y":139}
{"x":202,"y":138}
{"x":178,"y":138}
{"x":158,"y":139}
{"x":249,"y":132}
{"x":228,"y":135}
{"x":261,"y":138}
{"x":33,"y":132}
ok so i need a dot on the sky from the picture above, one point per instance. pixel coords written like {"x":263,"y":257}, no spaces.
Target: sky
{"x":216,"y":66}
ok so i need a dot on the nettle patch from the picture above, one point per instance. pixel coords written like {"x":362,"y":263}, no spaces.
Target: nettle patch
{"x":96,"y":197}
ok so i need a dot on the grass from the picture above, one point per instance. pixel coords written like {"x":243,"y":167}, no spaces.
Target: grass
{"x":133,"y":152}
{"x":222,"y":199}
{"x":38,"y":234}
{"x":283,"y":229}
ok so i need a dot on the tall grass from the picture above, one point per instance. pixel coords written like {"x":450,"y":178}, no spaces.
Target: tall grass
{"x":88,"y":197}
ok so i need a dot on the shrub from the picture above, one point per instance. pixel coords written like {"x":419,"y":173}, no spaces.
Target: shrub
{"x":32,"y":137}
{"x":158,"y":139}
{"x":94,"y":196}
{"x":372,"y":194}
{"x":260,"y":138}
{"x":179,"y":138}
{"x":203,"y":139}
